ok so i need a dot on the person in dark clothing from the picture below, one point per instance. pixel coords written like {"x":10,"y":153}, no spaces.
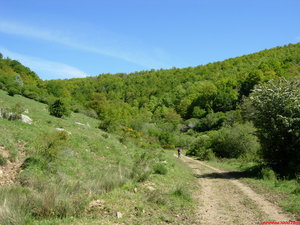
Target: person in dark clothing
{"x":179,"y":152}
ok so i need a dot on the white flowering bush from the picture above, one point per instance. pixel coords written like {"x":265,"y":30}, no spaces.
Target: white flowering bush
{"x":277,"y":118}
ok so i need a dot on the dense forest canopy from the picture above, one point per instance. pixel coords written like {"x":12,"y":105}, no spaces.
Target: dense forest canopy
{"x":192,"y":92}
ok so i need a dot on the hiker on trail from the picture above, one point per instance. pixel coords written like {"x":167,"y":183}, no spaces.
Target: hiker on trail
{"x":179,"y":152}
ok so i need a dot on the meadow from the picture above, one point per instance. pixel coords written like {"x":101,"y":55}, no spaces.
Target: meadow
{"x":81,"y":174}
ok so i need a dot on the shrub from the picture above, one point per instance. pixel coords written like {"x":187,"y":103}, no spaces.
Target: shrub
{"x":201,"y":148}
{"x":157,"y":197}
{"x":277,"y":117}
{"x":142,"y":167}
{"x":13,"y":91}
{"x":2,"y":86}
{"x":232,"y":142}
{"x":17,"y":110}
{"x":180,"y":192}
{"x":90,"y":113}
{"x":30,"y":94}
{"x":205,"y":154}
{"x":13,"y":113}
{"x":47,"y":149}
{"x":268,"y":174}
{"x":52,"y":143}
{"x":107,"y":125}
{"x":58,"y":109}
{"x":77,"y":108}
{"x":165,"y":138}
{"x":105,"y":135}
{"x":160,"y":168}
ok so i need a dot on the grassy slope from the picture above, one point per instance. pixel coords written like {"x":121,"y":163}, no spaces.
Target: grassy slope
{"x":90,"y":165}
{"x":285,"y":193}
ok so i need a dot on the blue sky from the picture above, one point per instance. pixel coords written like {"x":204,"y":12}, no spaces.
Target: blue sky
{"x":77,"y":38}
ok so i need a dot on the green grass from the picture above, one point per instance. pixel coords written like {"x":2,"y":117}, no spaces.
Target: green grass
{"x":282,"y":192}
{"x":63,"y":173}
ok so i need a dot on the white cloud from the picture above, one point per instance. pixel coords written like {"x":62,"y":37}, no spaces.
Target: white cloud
{"x":105,"y":43}
{"x":45,"y":68}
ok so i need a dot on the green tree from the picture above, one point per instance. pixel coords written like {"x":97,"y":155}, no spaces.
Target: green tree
{"x":277,"y":117}
{"x":59,"y":109}
{"x":251,"y":80}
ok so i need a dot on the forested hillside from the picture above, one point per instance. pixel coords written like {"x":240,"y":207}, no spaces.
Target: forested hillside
{"x":18,"y":79}
{"x":195,"y":107}
{"x":191,"y":92}
{"x":179,"y":93}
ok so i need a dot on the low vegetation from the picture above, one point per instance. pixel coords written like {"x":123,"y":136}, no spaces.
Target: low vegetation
{"x":78,"y":173}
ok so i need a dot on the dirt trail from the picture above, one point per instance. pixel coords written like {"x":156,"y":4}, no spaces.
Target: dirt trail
{"x":225,"y":200}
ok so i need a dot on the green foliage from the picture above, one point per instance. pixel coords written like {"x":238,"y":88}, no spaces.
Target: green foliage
{"x":159,"y":97}
{"x":167,"y":115}
{"x":268,"y":174}
{"x":48,"y":147}
{"x":156,"y":102}
{"x":189,"y":92}
{"x":227,"y":95}
{"x":90,"y":113}
{"x":234,"y":141}
{"x":97,"y":103}
{"x":160,"y":168}
{"x":157,"y":197}
{"x":212,"y":121}
{"x":202,"y":99}
{"x":229,"y":142}
{"x":62,"y":176}
{"x":250,"y":81}
{"x":164,"y":137}
{"x":277,"y":117}
{"x":18,"y":109}
{"x":142,"y":166}
{"x":13,"y":91}
{"x":12,"y":113}
{"x":205,"y":154}
{"x":181,"y":192}
{"x":107,"y":125}
{"x":201,"y":148}
{"x":18,"y":79}
{"x":59,"y":109}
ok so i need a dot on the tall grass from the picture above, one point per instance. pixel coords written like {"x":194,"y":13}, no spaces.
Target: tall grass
{"x":63,"y":173}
